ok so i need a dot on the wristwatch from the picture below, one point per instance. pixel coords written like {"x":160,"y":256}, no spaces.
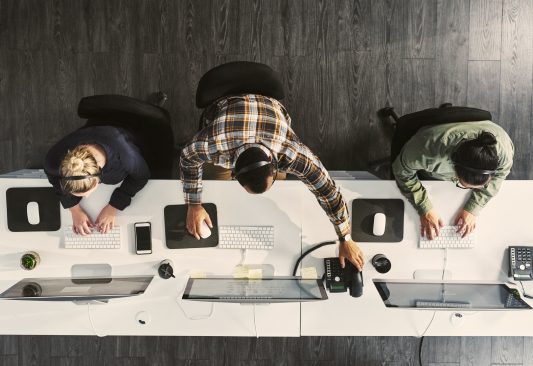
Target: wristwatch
{"x":344,"y":238}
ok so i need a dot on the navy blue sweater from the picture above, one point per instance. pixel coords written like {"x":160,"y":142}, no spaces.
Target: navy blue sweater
{"x":124,"y":163}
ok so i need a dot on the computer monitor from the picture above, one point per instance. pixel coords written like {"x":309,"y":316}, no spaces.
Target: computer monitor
{"x":77,"y":289}
{"x":449,"y":295}
{"x":263,"y":290}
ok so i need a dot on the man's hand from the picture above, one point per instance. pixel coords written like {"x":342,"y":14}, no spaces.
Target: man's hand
{"x":196,"y":214}
{"x":466,"y":222}
{"x":430,"y":224}
{"x":81,"y":223}
{"x":350,"y":250}
{"x":106,"y":219}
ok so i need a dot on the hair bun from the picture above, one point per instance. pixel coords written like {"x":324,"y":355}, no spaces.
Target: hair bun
{"x":76,"y":164}
{"x":485,"y":139}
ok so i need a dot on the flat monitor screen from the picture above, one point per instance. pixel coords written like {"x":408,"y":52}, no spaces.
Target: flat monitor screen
{"x":448,"y":295}
{"x":264,"y":290}
{"x":73,"y":289}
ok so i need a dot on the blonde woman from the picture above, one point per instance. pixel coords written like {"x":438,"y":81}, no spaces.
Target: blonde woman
{"x":77,"y":164}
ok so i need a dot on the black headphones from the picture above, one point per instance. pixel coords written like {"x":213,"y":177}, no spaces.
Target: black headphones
{"x":470,"y":169}
{"x":474,"y":170}
{"x":259,"y":164}
{"x":80,"y":177}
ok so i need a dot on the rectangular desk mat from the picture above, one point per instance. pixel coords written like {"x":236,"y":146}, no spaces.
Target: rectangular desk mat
{"x":363,"y":211}
{"x":176,"y":234}
{"x":17,"y":199}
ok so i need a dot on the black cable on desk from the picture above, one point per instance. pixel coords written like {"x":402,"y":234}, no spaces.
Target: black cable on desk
{"x":420,"y":350}
{"x":309,"y":251}
{"x":524,"y":291}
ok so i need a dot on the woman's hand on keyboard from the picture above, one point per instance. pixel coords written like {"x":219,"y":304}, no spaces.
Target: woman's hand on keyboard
{"x":430,"y":224}
{"x":106,"y":219}
{"x":81,"y":223}
{"x":466,"y":222}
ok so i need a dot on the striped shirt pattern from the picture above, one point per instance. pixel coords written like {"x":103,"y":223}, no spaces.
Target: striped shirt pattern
{"x":233,"y":122}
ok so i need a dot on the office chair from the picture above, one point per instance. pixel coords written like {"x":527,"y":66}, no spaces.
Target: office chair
{"x":407,"y":125}
{"x":234,"y":78}
{"x":148,"y":123}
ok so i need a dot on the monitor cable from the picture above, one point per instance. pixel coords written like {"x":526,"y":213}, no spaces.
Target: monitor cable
{"x":445,"y":262}
{"x":196,"y":317}
{"x":92,"y":323}
{"x":524,"y":291}
{"x":255,"y":325}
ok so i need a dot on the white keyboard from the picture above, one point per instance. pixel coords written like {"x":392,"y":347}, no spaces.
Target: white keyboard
{"x":96,"y":240}
{"x":246,"y":237}
{"x":448,"y":238}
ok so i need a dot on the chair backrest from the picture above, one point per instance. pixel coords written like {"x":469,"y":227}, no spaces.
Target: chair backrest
{"x":148,"y":124}
{"x":120,"y":108}
{"x":239,"y":77}
{"x":409,"y":124}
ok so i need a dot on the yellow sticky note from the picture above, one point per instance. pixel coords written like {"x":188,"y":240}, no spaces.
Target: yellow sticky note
{"x":240,"y":272}
{"x":197,"y":274}
{"x":255,"y":273}
{"x":308,"y":273}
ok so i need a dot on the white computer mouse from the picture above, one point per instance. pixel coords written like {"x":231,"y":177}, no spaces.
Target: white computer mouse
{"x":32,"y":210}
{"x":205,"y":231}
{"x":379,"y":224}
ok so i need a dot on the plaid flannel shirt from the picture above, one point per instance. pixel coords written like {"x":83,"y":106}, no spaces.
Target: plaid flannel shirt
{"x":236,"y":121}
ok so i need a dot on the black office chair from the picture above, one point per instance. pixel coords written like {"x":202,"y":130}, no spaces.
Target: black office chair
{"x":148,"y":123}
{"x":407,"y":125}
{"x":234,"y":78}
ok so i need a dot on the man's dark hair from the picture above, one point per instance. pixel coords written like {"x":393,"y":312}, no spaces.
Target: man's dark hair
{"x":256,"y":179}
{"x":473,"y":157}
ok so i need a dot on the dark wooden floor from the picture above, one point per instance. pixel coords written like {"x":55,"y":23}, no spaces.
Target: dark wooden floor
{"x":340,"y":61}
{"x":315,"y":351}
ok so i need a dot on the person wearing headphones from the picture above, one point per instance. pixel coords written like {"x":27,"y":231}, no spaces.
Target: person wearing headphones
{"x":90,"y":156}
{"x":252,"y":135}
{"x":104,"y":151}
{"x":475,"y":155}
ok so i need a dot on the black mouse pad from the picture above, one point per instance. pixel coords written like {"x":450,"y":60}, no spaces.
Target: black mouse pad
{"x":17,"y":200}
{"x":363,"y":211}
{"x":176,"y":234}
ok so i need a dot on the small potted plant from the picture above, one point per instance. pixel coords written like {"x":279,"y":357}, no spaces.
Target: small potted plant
{"x":29,"y":260}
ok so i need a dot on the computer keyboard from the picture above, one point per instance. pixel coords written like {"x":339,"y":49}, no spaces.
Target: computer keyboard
{"x":439,"y":304}
{"x":448,"y":238}
{"x":96,"y":240}
{"x":246,"y":237}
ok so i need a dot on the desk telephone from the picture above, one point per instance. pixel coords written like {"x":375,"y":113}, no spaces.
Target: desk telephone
{"x":520,"y":264}
{"x":339,"y":279}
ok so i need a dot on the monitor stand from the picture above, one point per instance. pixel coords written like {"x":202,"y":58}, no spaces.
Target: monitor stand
{"x":84,"y":271}
{"x":431,"y":274}
{"x":90,"y":270}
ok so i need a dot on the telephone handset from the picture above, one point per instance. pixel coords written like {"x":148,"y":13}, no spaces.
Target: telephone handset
{"x":520,"y":263}
{"x":340,"y":279}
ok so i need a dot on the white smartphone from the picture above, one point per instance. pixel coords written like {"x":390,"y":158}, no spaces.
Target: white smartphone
{"x":143,"y":238}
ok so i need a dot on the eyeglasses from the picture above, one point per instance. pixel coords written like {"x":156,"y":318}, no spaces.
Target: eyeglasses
{"x":458,"y":184}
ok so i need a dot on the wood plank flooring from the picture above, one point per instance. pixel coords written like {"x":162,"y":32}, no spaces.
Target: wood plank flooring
{"x":340,"y":62}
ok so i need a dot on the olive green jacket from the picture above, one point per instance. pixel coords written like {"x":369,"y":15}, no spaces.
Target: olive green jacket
{"x":430,"y":150}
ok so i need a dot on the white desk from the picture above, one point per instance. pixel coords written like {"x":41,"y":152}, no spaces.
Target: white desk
{"x":280,"y":207}
{"x":299,"y":221}
{"x":498,"y":227}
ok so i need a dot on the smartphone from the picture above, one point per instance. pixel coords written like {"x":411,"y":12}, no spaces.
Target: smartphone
{"x":143,"y":238}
